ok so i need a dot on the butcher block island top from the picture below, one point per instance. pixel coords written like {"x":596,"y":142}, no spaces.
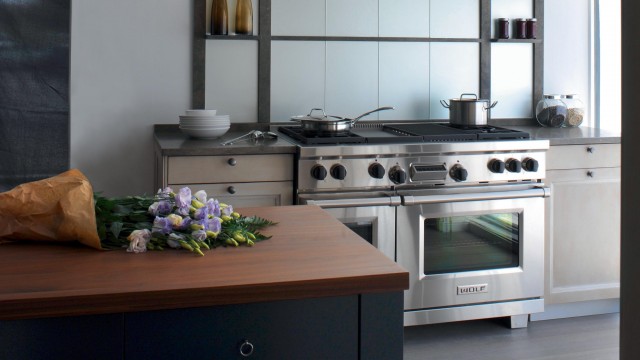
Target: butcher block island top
{"x":310,"y":255}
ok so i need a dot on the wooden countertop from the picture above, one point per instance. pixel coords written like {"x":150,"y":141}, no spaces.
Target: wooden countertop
{"x":311,"y":254}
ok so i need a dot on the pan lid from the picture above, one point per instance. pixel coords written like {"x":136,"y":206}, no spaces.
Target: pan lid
{"x":311,"y":117}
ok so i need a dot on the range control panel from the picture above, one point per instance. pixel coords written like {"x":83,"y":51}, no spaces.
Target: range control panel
{"x":385,"y":172}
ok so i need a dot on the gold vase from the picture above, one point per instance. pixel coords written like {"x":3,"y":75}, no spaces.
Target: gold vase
{"x":244,"y":17}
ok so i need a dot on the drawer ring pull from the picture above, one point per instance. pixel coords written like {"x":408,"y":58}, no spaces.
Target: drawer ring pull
{"x":590,"y":149}
{"x":246,"y":348}
{"x":231,"y":189}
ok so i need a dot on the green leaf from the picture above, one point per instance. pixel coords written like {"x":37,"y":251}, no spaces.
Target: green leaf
{"x":116,"y":228}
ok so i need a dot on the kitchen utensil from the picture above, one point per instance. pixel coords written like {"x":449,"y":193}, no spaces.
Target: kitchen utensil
{"x":468,"y":112}
{"x":330,"y":124}
{"x":252,"y":135}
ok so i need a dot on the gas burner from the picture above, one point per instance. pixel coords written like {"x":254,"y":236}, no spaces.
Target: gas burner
{"x":449,"y":133}
{"x":298,"y":134}
{"x":405,"y":134}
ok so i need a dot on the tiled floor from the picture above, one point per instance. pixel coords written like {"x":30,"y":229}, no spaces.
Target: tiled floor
{"x":580,"y":338}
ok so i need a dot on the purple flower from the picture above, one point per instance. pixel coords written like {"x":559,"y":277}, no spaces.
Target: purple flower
{"x":213,"y":207}
{"x":164,"y":207}
{"x":212,"y":224}
{"x":199,"y":235}
{"x":186,"y":222}
{"x":227,"y":210}
{"x":201,"y":213}
{"x":183,"y":201}
{"x":161,"y":225}
{"x":164,"y":193}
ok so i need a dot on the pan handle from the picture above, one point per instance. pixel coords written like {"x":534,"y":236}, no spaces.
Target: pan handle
{"x":444,"y":103}
{"x":371,"y":112}
{"x":491,"y":106}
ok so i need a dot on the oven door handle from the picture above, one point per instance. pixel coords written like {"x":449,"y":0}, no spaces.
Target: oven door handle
{"x":498,"y":195}
{"x":343,"y":203}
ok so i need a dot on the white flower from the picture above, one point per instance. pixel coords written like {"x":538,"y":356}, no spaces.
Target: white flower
{"x":201,"y":196}
{"x":138,"y":240}
{"x":153,"y":209}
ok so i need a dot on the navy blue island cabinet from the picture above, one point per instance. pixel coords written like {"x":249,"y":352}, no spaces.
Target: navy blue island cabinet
{"x":312,"y":291}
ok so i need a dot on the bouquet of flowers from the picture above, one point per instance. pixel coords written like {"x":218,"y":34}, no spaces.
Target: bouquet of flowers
{"x":177,"y":220}
{"x":65,"y":208}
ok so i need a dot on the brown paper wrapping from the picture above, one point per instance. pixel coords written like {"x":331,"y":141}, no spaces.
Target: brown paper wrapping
{"x":59,"y":208}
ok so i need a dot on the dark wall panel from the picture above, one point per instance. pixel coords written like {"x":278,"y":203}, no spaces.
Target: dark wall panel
{"x":34,"y":89}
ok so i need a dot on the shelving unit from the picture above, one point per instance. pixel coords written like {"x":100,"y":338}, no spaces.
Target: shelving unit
{"x":265,"y":38}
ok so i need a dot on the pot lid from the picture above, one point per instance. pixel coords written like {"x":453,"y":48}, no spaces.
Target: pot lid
{"x":311,"y":117}
{"x":474,"y":99}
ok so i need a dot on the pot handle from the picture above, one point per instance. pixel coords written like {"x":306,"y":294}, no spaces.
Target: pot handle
{"x":444,"y":103}
{"x":474,"y":96}
{"x":491,"y":106}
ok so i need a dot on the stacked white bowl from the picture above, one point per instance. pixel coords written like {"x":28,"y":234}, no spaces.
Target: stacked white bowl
{"x":204,"y":124}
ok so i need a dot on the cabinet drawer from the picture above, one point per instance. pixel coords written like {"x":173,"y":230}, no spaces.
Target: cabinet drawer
{"x":229,"y":168}
{"x":240,"y":195}
{"x":323,"y":328}
{"x":583,"y":156}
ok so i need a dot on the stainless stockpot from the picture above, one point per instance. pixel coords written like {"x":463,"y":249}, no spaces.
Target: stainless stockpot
{"x":469,"y":111}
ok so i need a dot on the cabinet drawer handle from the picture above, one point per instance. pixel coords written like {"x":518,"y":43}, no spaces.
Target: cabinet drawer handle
{"x":232,"y":162}
{"x":590,"y":149}
{"x":231,"y":189}
{"x":246,"y":348}
{"x":590,"y":173}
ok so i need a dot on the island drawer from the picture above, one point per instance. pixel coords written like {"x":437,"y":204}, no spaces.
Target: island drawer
{"x":229,"y":168}
{"x":583,"y":156}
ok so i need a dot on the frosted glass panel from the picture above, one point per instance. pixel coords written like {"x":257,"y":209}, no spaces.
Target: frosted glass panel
{"x":455,"y":18}
{"x":404,"y":18}
{"x":510,"y":9}
{"x":404,"y":80}
{"x":231,"y":80}
{"x":298,"y":17}
{"x":352,"y":78}
{"x":297,"y":78}
{"x":352,"y":17}
{"x":512,"y":80}
{"x":454,"y":69}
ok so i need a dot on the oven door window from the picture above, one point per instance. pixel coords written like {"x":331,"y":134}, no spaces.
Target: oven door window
{"x":467,"y":243}
{"x":364,"y":228}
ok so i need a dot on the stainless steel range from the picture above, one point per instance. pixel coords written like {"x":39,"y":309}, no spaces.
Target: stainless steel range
{"x":462,"y":209}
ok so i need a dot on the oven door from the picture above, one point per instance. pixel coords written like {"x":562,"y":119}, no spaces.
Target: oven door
{"x":370,"y":215}
{"x":477,"y":247}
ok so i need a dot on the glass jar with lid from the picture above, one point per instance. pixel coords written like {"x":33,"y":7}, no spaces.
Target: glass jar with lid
{"x":575,"y":110}
{"x":551,"y":111}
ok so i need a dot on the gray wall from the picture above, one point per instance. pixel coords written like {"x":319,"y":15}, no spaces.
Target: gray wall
{"x":130,"y":69}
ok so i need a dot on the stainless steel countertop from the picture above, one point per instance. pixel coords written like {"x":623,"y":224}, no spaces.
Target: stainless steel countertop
{"x":570,"y":136}
{"x":171,"y":142}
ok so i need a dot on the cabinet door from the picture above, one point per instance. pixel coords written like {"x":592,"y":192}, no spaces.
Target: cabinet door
{"x":323,"y":328}
{"x":248,"y":194}
{"x":583,"y":235}
{"x":77,"y":337}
